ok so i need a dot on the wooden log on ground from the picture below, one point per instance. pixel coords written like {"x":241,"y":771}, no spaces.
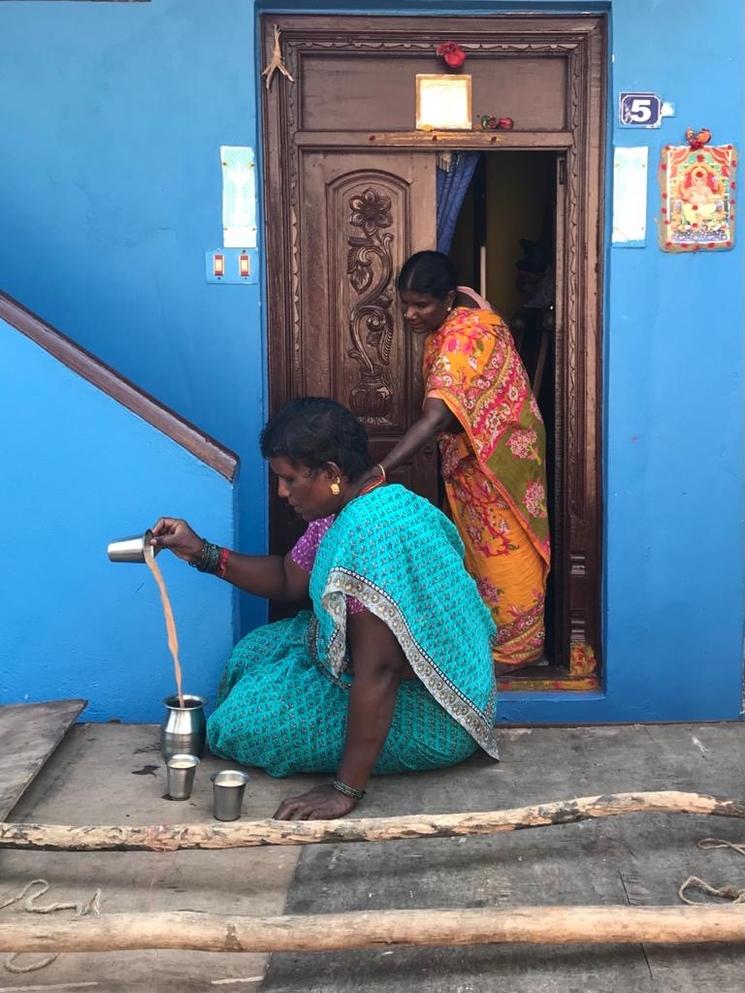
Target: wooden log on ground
{"x":373,"y":929}
{"x":248,"y":834}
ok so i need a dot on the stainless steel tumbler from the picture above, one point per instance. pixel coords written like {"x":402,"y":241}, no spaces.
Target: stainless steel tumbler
{"x":228,"y":788}
{"x":132,"y":549}
{"x":180,"y":771}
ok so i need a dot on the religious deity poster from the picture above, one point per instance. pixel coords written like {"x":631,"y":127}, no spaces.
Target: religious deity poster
{"x":697,"y":183}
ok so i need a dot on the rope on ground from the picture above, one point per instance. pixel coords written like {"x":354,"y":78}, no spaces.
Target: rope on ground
{"x":706,"y":844}
{"x":733,"y":893}
{"x":93,"y":906}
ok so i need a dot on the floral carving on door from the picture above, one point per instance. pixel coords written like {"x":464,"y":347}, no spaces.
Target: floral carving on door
{"x":370,"y":270}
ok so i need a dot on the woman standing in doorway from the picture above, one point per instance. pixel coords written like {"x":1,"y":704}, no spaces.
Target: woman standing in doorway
{"x":480,"y":406}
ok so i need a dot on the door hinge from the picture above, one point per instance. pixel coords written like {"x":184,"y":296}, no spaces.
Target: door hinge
{"x":562,"y":171}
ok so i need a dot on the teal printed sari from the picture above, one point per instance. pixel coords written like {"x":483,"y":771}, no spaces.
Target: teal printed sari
{"x":282,"y":703}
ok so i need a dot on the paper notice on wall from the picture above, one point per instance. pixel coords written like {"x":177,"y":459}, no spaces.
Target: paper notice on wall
{"x":238,"y":196}
{"x":630,"y":196}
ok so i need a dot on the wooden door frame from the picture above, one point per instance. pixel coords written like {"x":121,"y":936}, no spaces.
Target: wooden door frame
{"x":581,"y":42}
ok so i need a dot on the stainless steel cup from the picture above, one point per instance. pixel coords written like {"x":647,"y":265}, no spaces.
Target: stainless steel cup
{"x":228,"y":788}
{"x":132,"y":549}
{"x":184,"y":729}
{"x":180,"y":770}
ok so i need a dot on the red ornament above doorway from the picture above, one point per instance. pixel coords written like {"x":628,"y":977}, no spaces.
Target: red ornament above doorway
{"x":490,"y":122}
{"x":452,"y":54}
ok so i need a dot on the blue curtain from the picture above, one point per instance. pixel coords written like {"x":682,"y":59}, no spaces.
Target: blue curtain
{"x":452,"y":183}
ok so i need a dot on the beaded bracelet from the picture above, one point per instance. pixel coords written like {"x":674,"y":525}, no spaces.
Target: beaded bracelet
{"x":209,"y":558}
{"x":348,"y":790}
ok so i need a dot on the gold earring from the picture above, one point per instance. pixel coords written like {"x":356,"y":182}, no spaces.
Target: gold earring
{"x":335,"y":488}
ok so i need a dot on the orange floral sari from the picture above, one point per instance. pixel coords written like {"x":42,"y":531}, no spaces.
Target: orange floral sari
{"x":495,"y":472}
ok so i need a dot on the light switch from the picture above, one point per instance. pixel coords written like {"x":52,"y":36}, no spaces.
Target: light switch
{"x":232,"y":265}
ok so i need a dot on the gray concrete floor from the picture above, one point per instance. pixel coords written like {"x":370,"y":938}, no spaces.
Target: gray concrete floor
{"x":112,"y":774}
{"x":638,"y":860}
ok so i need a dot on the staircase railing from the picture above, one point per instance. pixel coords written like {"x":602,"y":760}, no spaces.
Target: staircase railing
{"x":85,"y":364}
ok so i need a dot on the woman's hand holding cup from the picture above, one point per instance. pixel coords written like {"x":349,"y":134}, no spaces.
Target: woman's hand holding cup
{"x":176,"y":535}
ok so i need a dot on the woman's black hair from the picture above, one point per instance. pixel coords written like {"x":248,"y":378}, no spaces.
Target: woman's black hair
{"x":432,"y":273}
{"x":312,"y":431}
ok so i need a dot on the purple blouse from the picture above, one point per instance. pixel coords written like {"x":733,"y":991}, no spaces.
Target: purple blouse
{"x":304,"y":554}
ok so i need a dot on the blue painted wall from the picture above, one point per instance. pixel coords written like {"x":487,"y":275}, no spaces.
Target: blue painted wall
{"x":79,"y":470}
{"x":110,"y":193}
{"x":674,"y":399}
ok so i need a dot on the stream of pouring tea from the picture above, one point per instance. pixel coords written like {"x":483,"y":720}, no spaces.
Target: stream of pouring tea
{"x":170,"y":623}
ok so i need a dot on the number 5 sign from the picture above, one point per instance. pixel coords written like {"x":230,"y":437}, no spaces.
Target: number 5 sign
{"x":640,"y":110}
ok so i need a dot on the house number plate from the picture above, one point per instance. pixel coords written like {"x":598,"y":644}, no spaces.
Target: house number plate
{"x":640,"y":110}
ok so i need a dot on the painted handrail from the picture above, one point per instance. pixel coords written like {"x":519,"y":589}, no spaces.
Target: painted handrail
{"x":102,"y":376}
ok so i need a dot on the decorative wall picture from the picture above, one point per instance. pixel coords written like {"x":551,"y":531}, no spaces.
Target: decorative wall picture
{"x":697,"y":183}
{"x":443,"y":102}
{"x":238,"y":196}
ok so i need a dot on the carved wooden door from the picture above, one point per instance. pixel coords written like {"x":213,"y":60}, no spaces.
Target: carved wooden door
{"x":361,"y":215}
{"x":349,"y":193}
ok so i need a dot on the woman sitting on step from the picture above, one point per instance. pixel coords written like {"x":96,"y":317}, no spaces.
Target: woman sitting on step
{"x":391,"y":671}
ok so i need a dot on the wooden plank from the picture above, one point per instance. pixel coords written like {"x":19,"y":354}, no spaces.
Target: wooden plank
{"x":435,"y":140}
{"x":29,"y":733}
{"x":532,"y":925}
{"x":250,"y":834}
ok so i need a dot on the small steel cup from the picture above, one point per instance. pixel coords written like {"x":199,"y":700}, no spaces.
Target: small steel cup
{"x":132,"y":549}
{"x":180,"y":770}
{"x":228,"y":788}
